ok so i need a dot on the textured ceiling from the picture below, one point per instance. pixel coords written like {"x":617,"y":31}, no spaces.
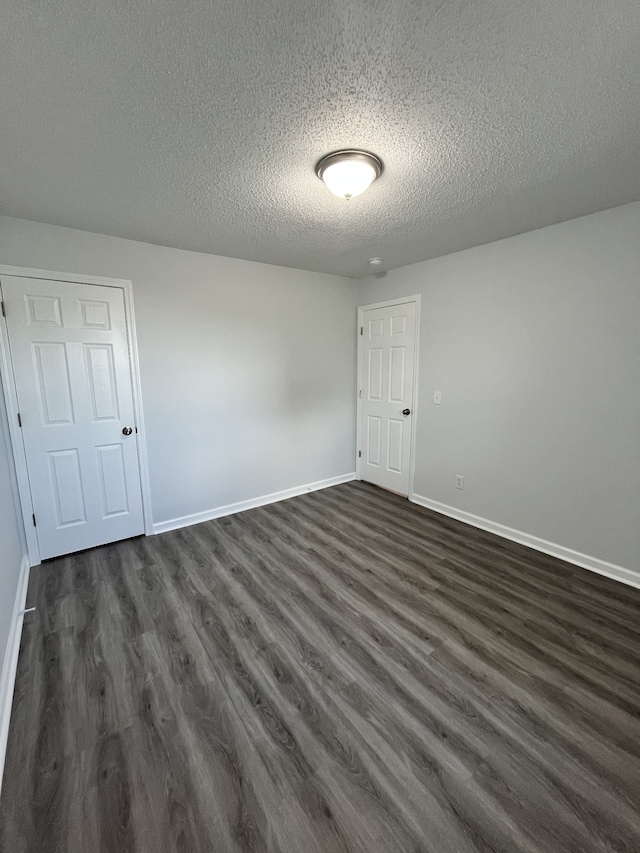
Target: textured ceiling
{"x":197,"y":123}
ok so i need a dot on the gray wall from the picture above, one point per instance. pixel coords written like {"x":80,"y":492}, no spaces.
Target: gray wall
{"x":247,"y":369}
{"x":534,"y":342}
{"x":12,"y":548}
{"x":247,"y":373}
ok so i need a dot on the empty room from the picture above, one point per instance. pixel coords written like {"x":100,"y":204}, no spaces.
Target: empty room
{"x":320,"y":426}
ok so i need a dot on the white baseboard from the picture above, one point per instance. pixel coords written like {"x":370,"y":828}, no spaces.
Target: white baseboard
{"x":241,"y":506}
{"x":610,"y":570}
{"x":10,"y":663}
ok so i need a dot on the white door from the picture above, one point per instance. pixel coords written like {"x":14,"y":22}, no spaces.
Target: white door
{"x":386,"y":374}
{"x":70,"y":359}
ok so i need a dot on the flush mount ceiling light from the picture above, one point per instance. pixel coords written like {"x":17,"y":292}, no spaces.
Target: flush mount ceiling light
{"x":349,"y":172}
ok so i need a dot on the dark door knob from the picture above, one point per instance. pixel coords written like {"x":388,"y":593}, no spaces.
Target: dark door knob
{"x":127,"y":431}
{"x":406,"y":411}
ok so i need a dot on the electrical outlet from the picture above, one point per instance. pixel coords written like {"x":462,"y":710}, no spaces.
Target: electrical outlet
{"x":437,"y":397}
{"x":459,"y":481}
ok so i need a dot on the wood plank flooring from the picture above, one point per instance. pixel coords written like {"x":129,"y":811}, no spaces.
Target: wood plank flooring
{"x":342,"y":671}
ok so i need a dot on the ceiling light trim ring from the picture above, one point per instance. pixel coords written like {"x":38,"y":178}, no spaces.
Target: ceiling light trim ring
{"x":349,"y":154}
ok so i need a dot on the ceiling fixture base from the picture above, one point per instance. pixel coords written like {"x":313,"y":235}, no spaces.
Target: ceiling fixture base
{"x":349,"y":172}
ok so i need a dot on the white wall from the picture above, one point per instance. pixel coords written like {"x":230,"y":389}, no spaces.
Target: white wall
{"x":247,"y":369}
{"x":534,"y":342}
{"x":12,"y":547}
{"x":248,"y":373}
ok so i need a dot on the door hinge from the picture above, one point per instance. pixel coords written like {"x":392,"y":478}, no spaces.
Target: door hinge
{"x":4,"y":311}
{"x":34,"y":519}
{"x":19,"y":420}
{"x":359,"y":454}
{"x":362,"y":330}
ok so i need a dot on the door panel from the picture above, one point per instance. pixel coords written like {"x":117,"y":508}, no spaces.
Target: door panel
{"x":388,"y":354}
{"x":394,"y":449}
{"x":376,"y":328}
{"x":397,"y":361}
{"x":102,"y":381}
{"x":95,"y":315}
{"x":70,"y":358}
{"x":66,"y":487}
{"x":399,"y":325}
{"x":374,"y":441}
{"x":43,"y":310}
{"x":113,"y":480}
{"x":375,"y":374}
{"x":54,"y":383}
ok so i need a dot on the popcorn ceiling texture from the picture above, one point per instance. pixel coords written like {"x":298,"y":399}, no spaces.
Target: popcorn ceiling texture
{"x":197,"y":123}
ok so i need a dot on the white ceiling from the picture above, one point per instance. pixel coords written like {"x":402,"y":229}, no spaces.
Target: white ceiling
{"x":197,"y":123}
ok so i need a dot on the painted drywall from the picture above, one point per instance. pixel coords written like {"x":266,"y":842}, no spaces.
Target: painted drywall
{"x":247,"y":369}
{"x":12,"y":546}
{"x":534,"y":342}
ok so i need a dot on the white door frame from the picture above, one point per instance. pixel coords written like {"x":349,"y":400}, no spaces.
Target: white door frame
{"x":414,"y":405}
{"x":11,"y":400}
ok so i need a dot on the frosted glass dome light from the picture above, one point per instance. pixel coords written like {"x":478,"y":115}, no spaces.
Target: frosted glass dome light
{"x":350,"y":172}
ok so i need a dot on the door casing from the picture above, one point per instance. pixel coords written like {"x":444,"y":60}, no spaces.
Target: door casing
{"x":11,"y":400}
{"x":414,"y":406}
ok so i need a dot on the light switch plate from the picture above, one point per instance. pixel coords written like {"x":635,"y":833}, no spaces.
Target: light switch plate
{"x":437,"y":397}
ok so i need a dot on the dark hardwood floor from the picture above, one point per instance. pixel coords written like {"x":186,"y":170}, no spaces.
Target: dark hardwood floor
{"x":342,"y":671}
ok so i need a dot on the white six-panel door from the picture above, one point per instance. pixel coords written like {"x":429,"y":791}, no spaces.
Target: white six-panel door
{"x":68,"y":345}
{"x":386,"y":397}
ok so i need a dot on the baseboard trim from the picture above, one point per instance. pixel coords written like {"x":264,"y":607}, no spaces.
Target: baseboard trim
{"x":241,"y":506}
{"x":601,"y":567}
{"x":10,"y":663}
